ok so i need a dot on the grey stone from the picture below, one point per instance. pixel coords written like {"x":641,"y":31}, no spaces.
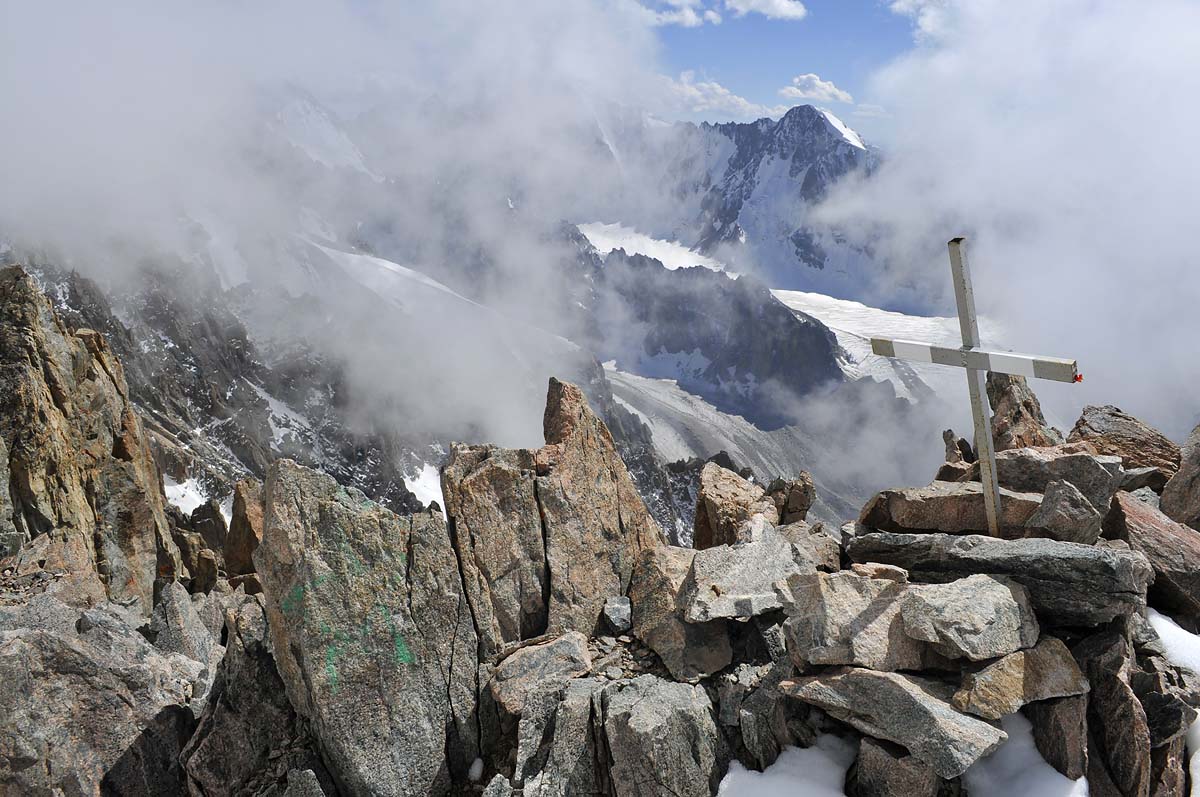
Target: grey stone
{"x":1032,"y":470}
{"x":793,"y":497}
{"x":303,"y":783}
{"x":1181,"y":495}
{"x":1069,"y":584}
{"x":176,"y":626}
{"x":618,"y":614}
{"x":1173,"y":550}
{"x":977,"y":617}
{"x":83,"y":695}
{"x":738,"y":581}
{"x":536,"y":665}
{"x":569,"y":762}
{"x":690,"y":651}
{"x":1066,"y":515}
{"x":1119,"y":739}
{"x":372,"y":633}
{"x":661,"y":738}
{"x":949,"y":507}
{"x":883,"y":769}
{"x":248,"y":723}
{"x":1141,"y":479}
{"x":245,"y":527}
{"x":498,"y":787}
{"x":845,"y":618}
{"x":1060,"y":733}
{"x":1043,"y":672}
{"x":908,"y":710}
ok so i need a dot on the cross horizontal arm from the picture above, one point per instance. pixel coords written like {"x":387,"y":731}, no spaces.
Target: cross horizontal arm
{"x":1004,"y":362}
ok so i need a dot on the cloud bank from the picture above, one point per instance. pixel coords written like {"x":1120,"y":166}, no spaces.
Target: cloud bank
{"x":1057,"y":136}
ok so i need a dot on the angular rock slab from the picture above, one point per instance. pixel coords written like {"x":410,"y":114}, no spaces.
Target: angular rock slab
{"x":845,"y":618}
{"x":1060,"y":733}
{"x":1112,"y":431}
{"x":911,"y":711}
{"x":690,"y":651}
{"x":245,"y":527}
{"x":978,"y":617}
{"x":1066,"y":515}
{"x":947,"y":507}
{"x":661,"y":738}
{"x":1181,"y":496}
{"x":730,"y":509}
{"x":1068,"y":584}
{"x":1033,"y":470}
{"x":738,"y":581}
{"x":1045,"y":671}
{"x":1017,"y":419}
{"x":569,"y":763}
{"x":1173,"y":550}
{"x":534,"y":666}
{"x":372,"y":634}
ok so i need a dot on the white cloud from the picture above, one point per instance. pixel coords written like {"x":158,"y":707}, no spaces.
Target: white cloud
{"x":1073,"y":175}
{"x":685,"y":13}
{"x":772,"y":9}
{"x":867,"y":110}
{"x":811,"y":87}
{"x":709,"y":97}
{"x":932,"y":17}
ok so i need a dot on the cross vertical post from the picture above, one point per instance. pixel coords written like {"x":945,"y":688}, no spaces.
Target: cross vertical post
{"x":985,"y":451}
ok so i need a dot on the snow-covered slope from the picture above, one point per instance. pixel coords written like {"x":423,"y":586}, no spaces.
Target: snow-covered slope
{"x":855,"y":324}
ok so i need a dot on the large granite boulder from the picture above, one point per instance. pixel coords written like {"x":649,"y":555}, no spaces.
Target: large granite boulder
{"x":566,"y":760}
{"x":1181,"y":495}
{"x":1069,"y":584}
{"x":1118,"y":735}
{"x":730,"y":509}
{"x":535,"y":666}
{"x":1066,"y":515}
{"x":661,"y":738}
{"x":793,"y":497}
{"x":911,"y":711}
{"x":249,"y":736}
{"x":948,"y":507}
{"x":1173,"y":550}
{"x":86,"y":700}
{"x":690,"y":651}
{"x":1033,"y":470}
{"x":978,"y":617}
{"x":82,"y":493}
{"x":883,"y":769}
{"x":245,"y":527}
{"x":546,"y":537}
{"x":372,"y":633}
{"x":1112,"y":431}
{"x":1060,"y":733}
{"x":1017,"y":419}
{"x":1042,"y":672}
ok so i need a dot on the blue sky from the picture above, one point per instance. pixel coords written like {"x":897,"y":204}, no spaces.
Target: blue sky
{"x":756,"y":54}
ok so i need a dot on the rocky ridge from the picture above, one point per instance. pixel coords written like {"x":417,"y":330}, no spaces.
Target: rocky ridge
{"x":544,"y":638}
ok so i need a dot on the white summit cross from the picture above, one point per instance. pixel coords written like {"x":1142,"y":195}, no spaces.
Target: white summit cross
{"x":978,"y":362}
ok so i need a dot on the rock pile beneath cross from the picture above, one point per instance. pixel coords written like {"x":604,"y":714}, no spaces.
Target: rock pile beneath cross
{"x":544,"y":639}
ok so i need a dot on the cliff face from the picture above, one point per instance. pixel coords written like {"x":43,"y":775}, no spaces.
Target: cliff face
{"x":84,"y":507}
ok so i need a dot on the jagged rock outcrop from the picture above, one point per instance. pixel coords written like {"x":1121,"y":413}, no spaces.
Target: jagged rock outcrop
{"x":245,"y":527}
{"x":1173,"y":550}
{"x":730,"y":509}
{"x":1068,"y":584}
{"x":908,"y":710}
{"x":1017,"y":420}
{"x":793,"y":497}
{"x":85,"y":699}
{"x":84,"y":490}
{"x":546,"y":536}
{"x":1112,"y":431}
{"x":249,"y":736}
{"x":373,"y":637}
{"x":1181,"y":495}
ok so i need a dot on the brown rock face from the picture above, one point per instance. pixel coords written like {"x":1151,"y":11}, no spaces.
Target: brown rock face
{"x":1040,"y":673}
{"x":245,"y":529}
{"x":546,"y":536}
{"x":1017,"y":420}
{"x":1173,"y":550}
{"x":84,"y":490}
{"x":729,"y":508}
{"x":1060,"y":733}
{"x":1118,"y":433}
{"x":793,"y":497}
{"x":1119,"y":738}
{"x":883,"y":769}
{"x":1181,"y":496}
